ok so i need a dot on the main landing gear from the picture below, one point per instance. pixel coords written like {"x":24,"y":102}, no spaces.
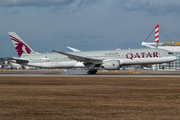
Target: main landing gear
{"x":92,"y":71}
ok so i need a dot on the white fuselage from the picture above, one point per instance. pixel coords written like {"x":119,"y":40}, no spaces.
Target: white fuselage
{"x":126,"y":57}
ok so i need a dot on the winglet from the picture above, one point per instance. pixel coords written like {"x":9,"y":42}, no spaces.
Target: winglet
{"x":73,"y":49}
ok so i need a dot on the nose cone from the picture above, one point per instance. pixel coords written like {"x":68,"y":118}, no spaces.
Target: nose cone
{"x":171,"y":58}
{"x":175,"y":58}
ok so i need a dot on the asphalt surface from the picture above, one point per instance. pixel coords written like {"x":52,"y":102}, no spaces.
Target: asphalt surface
{"x":82,"y":75}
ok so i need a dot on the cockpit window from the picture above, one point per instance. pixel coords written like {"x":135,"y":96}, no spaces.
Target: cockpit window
{"x":170,"y":53}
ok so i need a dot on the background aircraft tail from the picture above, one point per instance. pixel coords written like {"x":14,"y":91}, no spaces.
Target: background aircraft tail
{"x":22,"y":48}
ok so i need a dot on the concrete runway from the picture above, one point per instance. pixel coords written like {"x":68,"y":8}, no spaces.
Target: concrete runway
{"x":83,"y":75}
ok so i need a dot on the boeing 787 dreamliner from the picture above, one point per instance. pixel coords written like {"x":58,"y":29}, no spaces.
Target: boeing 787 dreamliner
{"x":108,"y":59}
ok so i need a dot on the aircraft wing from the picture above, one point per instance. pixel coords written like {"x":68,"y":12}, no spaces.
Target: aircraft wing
{"x":80,"y":58}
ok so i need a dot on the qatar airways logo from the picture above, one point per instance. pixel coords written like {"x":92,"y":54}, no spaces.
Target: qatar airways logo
{"x":141,"y":55}
{"x":20,"y":47}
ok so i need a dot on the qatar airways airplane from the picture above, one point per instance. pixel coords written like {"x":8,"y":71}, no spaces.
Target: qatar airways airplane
{"x":109,"y":59}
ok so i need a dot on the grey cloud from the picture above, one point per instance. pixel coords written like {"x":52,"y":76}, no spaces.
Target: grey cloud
{"x":89,"y":2}
{"x":55,"y":5}
{"x":148,"y":7}
{"x":9,"y":3}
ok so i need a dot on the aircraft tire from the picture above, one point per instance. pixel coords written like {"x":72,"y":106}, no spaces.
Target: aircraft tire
{"x":92,"y":72}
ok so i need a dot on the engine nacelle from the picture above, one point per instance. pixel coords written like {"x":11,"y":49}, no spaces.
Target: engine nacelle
{"x":111,"y":65}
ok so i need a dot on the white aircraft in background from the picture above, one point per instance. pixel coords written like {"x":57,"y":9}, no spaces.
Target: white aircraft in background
{"x":109,"y":59}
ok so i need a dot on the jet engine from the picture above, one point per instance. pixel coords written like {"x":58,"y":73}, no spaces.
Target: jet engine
{"x":111,"y":65}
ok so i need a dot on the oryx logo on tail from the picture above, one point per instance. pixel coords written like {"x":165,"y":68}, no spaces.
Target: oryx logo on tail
{"x":20,"y":46}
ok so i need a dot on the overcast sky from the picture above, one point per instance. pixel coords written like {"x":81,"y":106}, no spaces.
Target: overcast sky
{"x":85,"y":24}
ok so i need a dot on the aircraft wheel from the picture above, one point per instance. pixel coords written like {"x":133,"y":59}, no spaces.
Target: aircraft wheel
{"x":92,"y":72}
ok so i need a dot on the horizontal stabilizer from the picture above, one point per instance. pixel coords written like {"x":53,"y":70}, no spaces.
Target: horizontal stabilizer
{"x":19,"y":60}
